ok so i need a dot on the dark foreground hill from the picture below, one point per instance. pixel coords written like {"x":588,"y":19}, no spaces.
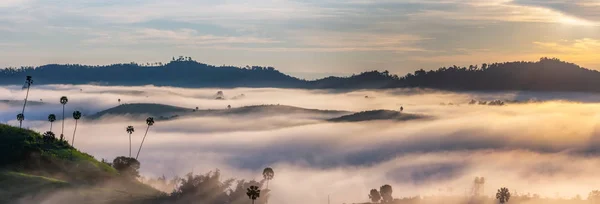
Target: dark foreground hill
{"x":163,"y":112}
{"x":34,"y":169}
{"x":544,"y":75}
{"x":377,"y":115}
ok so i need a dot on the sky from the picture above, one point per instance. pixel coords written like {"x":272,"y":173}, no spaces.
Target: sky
{"x":309,"y":39}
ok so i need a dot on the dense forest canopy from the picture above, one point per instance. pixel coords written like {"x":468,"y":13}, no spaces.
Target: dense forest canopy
{"x":547,"y":74}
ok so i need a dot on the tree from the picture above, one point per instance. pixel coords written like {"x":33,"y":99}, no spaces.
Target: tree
{"x":20,"y":118}
{"x":51,"y":118}
{"x":130,"y":130}
{"x":127,"y":166}
{"x":268,"y":174}
{"x":253,"y":193}
{"x":594,"y":196}
{"x":28,"y":82}
{"x":228,"y":106}
{"x":63,"y":100}
{"x":48,"y":136}
{"x":503,"y":195}
{"x":149,"y":122}
{"x":386,"y":193}
{"x":119,"y":101}
{"x":374,"y":196}
{"x":76,"y":116}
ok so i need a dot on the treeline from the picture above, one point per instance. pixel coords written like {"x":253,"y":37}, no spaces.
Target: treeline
{"x":547,"y":74}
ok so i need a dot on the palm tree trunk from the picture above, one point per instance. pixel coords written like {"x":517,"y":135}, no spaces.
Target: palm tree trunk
{"x":26,"y":96}
{"x":129,"y":145}
{"x":50,"y":126}
{"x":63,"y":122}
{"x":73,"y":140}
{"x":20,"y":123}
{"x":138,"y":154}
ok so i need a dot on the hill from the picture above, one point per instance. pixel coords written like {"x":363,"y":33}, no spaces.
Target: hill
{"x":377,"y":115}
{"x":164,"y":112}
{"x":33,"y":167}
{"x":547,"y":74}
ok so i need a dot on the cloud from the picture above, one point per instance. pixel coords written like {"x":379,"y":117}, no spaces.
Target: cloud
{"x":538,"y":148}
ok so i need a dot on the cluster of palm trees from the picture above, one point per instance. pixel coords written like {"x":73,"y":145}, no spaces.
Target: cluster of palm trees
{"x":63,"y":100}
{"x":130,"y":129}
{"x":253,"y":192}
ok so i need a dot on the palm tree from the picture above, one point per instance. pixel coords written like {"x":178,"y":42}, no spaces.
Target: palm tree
{"x":51,"y":118}
{"x":253,"y":193}
{"x":386,"y":193}
{"x":503,"y":195}
{"x":374,"y":196}
{"x":130,"y":130}
{"x":63,"y":100}
{"x":76,"y":116}
{"x":28,"y":82}
{"x":20,"y":118}
{"x":268,"y":174}
{"x":149,"y":122}
{"x":119,"y":101}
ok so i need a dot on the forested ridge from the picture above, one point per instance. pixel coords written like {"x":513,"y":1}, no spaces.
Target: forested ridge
{"x":547,"y":74}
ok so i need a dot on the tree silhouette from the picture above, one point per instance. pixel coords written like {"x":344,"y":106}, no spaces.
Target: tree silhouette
{"x":51,"y":119}
{"x":127,"y":166}
{"x":48,"y":136}
{"x":228,"y":106}
{"x":386,"y":193}
{"x":594,"y":196}
{"x":63,"y":100}
{"x":76,"y":116}
{"x":28,"y":82}
{"x":253,"y":193}
{"x":149,"y":122}
{"x":503,"y":195}
{"x":130,"y":130}
{"x":268,"y":174}
{"x":20,"y":118}
{"x":374,"y":196}
{"x":119,"y":101}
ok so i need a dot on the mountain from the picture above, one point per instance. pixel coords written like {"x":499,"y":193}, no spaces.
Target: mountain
{"x":164,"y":112}
{"x":377,"y":115}
{"x":33,"y":169}
{"x":547,"y":74}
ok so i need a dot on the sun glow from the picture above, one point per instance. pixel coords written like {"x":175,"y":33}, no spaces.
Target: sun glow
{"x":575,"y":21}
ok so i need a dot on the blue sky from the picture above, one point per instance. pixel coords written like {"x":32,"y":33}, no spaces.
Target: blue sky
{"x":304,"y":38}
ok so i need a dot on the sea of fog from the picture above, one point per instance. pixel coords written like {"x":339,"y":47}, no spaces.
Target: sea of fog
{"x":549,"y":148}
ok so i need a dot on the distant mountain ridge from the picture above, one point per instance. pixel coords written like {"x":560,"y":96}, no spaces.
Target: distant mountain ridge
{"x":547,"y":74}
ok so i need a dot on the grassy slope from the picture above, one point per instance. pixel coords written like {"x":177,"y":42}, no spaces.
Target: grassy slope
{"x":31,"y":166}
{"x":377,"y":115}
{"x":161,"y":111}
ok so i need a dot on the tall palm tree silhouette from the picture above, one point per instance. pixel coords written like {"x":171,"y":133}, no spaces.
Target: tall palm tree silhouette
{"x":76,"y":116}
{"x":130,"y":130}
{"x":503,"y":195}
{"x":253,"y":193}
{"x":63,"y":100}
{"x":28,"y":82}
{"x":20,"y":118}
{"x":268,"y":174}
{"x":51,"y":118}
{"x":149,"y":122}
{"x":374,"y":195}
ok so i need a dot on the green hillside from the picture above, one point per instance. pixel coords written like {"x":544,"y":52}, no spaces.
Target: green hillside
{"x":377,"y":115}
{"x":33,"y":167}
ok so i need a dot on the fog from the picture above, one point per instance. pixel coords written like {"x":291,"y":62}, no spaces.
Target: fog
{"x":545,"y":148}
